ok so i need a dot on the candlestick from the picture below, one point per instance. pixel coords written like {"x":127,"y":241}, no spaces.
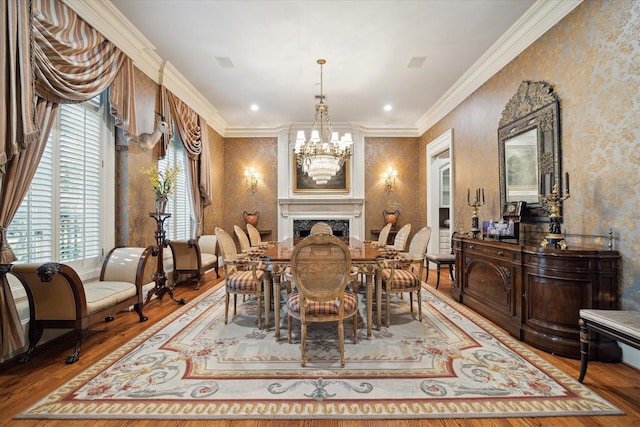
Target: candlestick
{"x":475,"y":229}
{"x":554,"y":202}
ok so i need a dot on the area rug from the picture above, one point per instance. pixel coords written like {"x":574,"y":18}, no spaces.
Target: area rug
{"x":191,"y":365}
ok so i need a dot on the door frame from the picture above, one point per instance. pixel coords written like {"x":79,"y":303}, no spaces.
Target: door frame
{"x":434,"y":148}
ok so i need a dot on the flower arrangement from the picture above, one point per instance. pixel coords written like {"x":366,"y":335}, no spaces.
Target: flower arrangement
{"x":163,"y":181}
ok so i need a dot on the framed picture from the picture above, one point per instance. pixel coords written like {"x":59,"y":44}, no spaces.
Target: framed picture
{"x":513,"y":209}
{"x":303,"y":183}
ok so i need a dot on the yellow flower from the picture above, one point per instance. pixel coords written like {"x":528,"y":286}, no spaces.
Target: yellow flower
{"x":163,"y":182}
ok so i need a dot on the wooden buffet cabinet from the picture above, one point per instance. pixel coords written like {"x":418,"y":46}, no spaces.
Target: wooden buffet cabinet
{"x":536,"y":293}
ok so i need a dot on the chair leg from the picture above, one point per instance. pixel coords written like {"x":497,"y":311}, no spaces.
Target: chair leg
{"x":260,"y":310}
{"x":411,"y":302}
{"x":438,"y":275}
{"x":419,"y":301}
{"x":341,"y":339}
{"x":388,"y":306}
{"x":355,"y":328}
{"x":289,"y":326}
{"x":226,"y":308}
{"x":427,"y":276}
{"x":303,"y":342}
{"x":451,"y":272}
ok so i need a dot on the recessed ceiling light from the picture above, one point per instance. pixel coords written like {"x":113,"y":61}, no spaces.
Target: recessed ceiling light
{"x":387,"y":107}
{"x":254,"y":107}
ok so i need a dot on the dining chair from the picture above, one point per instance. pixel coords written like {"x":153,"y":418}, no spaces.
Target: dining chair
{"x":321,"y":266}
{"x":242,"y":238}
{"x":384,"y":234}
{"x":404,"y":274}
{"x":254,"y":235}
{"x":242,"y":275}
{"x":400,"y":242}
{"x":441,"y":259}
{"x":321,"y":228}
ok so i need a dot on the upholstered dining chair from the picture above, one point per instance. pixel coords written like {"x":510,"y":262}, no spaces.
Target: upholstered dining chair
{"x":400,"y":242}
{"x":404,"y":274}
{"x":242,"y":238}
{"x":321,"y":228}
{"x":254,"y":235}
{"x":321,"y":266}
{"x":442,"y":259}
{"x":384,"y":234}
{"x":242,"y":275}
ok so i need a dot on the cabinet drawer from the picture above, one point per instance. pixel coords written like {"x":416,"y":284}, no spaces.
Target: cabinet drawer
{"x":495,"y":251}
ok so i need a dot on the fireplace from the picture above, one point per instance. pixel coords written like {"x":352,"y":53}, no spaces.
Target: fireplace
{"x":302,"y":227}
{"x":297,"y":216}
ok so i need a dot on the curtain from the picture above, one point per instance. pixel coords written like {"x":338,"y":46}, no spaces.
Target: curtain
{"x":122,"y":99}
{"x":71,"y":63}
{"x":187,"y":124}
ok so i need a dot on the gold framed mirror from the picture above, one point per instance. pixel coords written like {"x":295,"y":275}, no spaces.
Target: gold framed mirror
{"x":529,"y":149}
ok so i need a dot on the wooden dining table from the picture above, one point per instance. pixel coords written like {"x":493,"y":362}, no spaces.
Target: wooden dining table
{"x":363,"y":256}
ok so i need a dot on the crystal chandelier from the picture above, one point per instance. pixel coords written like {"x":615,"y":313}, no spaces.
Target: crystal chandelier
{"x":324,"y":153}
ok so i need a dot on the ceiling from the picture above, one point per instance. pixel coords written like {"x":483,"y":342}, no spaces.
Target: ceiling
{"x":407,"y":54}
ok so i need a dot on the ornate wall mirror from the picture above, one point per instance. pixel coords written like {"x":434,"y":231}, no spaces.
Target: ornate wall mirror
{"x":529,"y":149}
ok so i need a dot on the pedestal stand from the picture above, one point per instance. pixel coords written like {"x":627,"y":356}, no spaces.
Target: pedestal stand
{"x":160,"y":277}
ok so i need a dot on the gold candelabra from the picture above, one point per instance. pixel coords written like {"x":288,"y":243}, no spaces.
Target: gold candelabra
{"x":553,"y":201}
{"x":475,"y":205}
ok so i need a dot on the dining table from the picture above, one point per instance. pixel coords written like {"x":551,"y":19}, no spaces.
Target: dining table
{"x":363,"y":256}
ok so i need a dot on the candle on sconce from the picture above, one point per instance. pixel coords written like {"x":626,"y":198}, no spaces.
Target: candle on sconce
{"x":482,"y":194}
{"x":477,"y":195}
{"x":542,"y":185}
{"x":468,"y":195}
{"x":566,"y":176}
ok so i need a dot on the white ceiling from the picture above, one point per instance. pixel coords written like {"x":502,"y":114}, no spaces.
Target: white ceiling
{"x":273,"y":47}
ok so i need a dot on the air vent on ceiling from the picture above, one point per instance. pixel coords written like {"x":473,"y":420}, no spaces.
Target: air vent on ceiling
{"x":416,"y":62}
{"x":224,"y":61}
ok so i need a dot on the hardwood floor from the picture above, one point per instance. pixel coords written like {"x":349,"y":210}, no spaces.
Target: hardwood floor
{"x":23,"y":385}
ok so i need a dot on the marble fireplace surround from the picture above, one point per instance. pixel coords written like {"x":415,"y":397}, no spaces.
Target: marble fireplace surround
{"x":337,"y":210}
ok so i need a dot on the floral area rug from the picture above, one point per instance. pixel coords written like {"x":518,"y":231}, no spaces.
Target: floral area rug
{"x":191,"y":365}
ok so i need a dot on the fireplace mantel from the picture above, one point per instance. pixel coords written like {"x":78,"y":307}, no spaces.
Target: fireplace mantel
{"x":320,"y":208}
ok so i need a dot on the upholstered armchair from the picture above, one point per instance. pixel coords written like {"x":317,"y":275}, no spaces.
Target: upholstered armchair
{"x":243,"y":240}
{"x":400,"y":242}
{"x":254,"y":235}
{"x":242,"y":275}
{"x":404,"y":273}
{"x":384,"y":234}
{"x":321,"y":269}
{"x":194,"y":257}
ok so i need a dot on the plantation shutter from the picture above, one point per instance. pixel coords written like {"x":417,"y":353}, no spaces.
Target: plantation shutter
{"x":178,"y":227}
{"x":66,"y":186}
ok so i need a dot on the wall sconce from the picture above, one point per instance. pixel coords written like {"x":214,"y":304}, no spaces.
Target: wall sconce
{"x":251,"y":179}
{"x":390,"y":179}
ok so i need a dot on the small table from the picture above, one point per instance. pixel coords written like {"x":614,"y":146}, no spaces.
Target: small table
{"x":363,"y":256}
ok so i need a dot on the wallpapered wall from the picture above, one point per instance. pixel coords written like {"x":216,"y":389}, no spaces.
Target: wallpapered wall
{"x":403,"y":155}
{"x":592,"y":59}
{"x":240,"y":154}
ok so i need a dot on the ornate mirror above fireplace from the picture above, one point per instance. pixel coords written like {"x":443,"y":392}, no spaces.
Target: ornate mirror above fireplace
{"x":529,"y":148}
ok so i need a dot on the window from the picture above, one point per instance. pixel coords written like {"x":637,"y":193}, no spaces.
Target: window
{"x":63,"y":216}
{"x":178,"y":226}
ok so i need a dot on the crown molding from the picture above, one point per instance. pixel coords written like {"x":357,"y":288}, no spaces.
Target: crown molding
{"x":536,"y":21}
{"x":111,"y":23}
{"x":114,"y":26}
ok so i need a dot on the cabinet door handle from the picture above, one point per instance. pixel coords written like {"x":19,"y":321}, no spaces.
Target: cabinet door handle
{"x":524,"y":295}
{"x":500,"y":253}
{"x":471,"y":246}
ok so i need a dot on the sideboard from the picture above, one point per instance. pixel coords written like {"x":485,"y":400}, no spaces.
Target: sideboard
{"x":536,"y":293}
